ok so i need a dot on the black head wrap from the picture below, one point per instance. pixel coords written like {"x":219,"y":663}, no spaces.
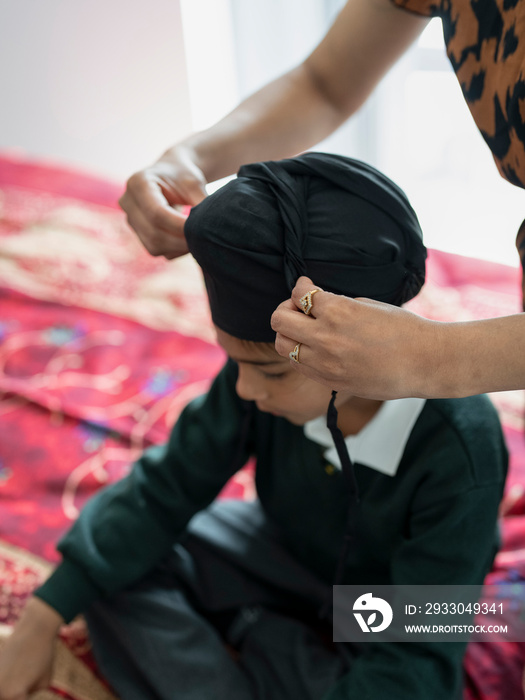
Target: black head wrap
{"x":335,"y":219}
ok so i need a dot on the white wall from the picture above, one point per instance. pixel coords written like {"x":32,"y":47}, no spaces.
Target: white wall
{"x":101,"y":84}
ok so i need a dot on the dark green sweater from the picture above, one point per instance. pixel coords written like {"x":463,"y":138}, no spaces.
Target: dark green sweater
{"x":432,"y":523}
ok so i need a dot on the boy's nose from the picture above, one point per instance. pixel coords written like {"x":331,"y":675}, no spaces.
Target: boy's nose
{"x":250,"y":386}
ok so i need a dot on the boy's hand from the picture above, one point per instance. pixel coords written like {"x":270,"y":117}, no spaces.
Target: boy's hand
{"x":26,"y":660}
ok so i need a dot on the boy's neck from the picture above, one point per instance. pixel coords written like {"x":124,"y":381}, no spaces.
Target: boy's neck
{"x":355,"y":413}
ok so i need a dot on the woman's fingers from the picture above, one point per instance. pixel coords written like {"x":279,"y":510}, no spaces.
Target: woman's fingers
{"x":369,"y":348}
{"x":305,"y":293}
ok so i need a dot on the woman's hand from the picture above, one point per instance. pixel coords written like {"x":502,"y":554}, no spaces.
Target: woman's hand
{"x":378,"y":351}
{"x":371,"y":349}
{"x":151,"y":195}
{"x":26,"y":660}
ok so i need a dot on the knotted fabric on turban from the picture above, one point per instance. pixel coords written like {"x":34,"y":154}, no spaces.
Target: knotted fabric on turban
{"x":335,"y":219}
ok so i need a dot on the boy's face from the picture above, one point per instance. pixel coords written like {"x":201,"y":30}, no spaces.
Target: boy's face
{"x":268,"y":379}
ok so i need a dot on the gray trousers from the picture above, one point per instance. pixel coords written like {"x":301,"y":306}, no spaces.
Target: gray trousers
{"x":229,"y":583}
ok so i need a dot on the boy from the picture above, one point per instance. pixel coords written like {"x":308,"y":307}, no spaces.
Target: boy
{"x":233,"y":605}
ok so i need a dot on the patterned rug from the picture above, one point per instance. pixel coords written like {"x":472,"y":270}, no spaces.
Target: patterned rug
{"x":101,"y":346}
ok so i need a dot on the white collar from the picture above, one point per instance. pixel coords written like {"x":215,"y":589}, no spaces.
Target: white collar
{"x":381,"y":443}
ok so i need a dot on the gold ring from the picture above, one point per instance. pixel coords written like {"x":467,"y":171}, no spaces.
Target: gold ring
{"x":306,"y":301}
{"x":294,"y":355}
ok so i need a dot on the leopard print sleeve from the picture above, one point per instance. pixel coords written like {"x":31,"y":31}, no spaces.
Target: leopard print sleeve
{"x":485,"y":42}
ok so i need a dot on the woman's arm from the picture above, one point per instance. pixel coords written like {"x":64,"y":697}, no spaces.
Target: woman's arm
{"x":286,"y":116}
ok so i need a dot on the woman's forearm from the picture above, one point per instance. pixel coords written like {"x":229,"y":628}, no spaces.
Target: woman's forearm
{"x":285,"y":117}
{"x":303,"y":106}
{"x":476,"y":357}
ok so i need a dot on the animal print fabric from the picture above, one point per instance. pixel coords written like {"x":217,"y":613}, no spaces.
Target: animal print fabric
{"x":485,"y":42}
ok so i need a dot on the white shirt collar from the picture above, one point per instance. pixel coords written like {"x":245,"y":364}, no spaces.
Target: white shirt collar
{"x":381,"y":443}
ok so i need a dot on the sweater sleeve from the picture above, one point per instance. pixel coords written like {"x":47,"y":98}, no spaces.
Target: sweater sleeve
{"x":450,"y":539}
{"x":126,"y":528}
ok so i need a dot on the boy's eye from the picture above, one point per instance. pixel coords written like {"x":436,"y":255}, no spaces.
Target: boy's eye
{"x":280,"y":375}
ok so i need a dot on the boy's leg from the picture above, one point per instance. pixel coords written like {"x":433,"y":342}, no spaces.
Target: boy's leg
{"x":239,"y":559}
{"x":231,"y":561}
{"x":283,"y":658}
{"x":151,"y":645}
{"x":240,"y":553}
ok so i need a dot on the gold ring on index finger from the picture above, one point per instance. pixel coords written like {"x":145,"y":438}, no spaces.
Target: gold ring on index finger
{"x":294,"y":354}
{"x":306,"y":301}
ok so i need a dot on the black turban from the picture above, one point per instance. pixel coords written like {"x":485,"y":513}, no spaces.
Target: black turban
{"x":332,"y":218}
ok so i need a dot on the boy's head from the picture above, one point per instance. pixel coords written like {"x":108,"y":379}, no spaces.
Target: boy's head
{"x":338,"y":221}
{"x":334,"y":219}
